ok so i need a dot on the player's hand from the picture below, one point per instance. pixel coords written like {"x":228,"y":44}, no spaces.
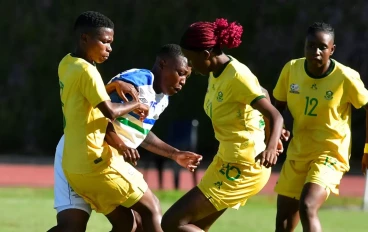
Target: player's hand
{"x":280,"y":147}
{"x":188,"y":160}
{"x":365,"y":163}
{"x":285,"y":135}
{"x":142,"y":111}
{"x":267,"y":158}
{"x":123,"y":88}
{"x":130,"y":155}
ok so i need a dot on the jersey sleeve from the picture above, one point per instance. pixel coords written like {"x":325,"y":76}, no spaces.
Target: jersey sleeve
{"x":246,"y":88}
{"x":281,"y":88}
{"x":136,"y":77}
{"x":357,"y":93}
{"x":92,"y":87}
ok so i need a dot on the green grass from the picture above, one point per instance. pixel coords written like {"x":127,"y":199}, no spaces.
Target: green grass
{"x":31,"y":210}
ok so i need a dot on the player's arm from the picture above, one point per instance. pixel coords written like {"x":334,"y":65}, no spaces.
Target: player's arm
{"x":365,"y":155}
{"x":186,"y":159}
{"x":122,"y":88}
{"x":113,"y":110}
{"x":357,"y":95}
{"x":267,"y":122}
{"x":268,"y":158}
{"x":155,"y":145}
{"x":93,"y":89}
{"x":130,"y":155}
{"x":280,"y":106}
{"x":280,"y":147}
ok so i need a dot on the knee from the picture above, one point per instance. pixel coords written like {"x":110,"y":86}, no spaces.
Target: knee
{"x":169,"y":223}
{"x":308,"y":207}
{"x":69,"y":227}
{"x":116,"y":228}
{"x":158,"y":205}
{"x":166,"y":223}
{"x":152,"y":210}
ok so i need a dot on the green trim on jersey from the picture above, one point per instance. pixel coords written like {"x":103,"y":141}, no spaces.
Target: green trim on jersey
{"x":328,"y":72}
{"x":133,"y":125}
{"x":256,"y":99}
{"x":223,"y":68}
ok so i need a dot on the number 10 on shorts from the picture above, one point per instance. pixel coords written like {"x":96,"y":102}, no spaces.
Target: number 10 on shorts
{"x":230,"y":172}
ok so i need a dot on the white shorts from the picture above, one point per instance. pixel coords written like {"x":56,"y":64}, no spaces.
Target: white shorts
{"x":64,"y":195}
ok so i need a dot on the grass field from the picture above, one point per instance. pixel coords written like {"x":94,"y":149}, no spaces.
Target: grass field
{"x":31,"y":210}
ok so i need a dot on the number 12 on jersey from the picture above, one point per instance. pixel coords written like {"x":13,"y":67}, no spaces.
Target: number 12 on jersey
{"x":310,"y":105}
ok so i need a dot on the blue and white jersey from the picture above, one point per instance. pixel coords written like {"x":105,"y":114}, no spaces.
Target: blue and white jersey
{"x":130,"y":129}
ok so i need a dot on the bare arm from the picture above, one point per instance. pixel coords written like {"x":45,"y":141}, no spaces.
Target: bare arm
{"x":280,"y":106}
{"x":155,"y":145}
{"x":112,"y":138}
{"x":130,"y":155}
{"x":123,"y":88}
{"x":365,"y":155}
{"x":267,"y":122}
{"x":366,"y":123}
{"x":274,"y":117}
{"x":113,"y":110}
{"x":186,"y":159}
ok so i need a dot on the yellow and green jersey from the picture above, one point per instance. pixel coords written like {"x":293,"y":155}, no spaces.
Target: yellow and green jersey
{"x":81,"y":90}
{"x":321,"y":108}
{"x":238,"y":127}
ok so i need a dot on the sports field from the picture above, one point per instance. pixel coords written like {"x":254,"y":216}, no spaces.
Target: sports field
{"x":26,"y":197}
{"x":30,"y":209}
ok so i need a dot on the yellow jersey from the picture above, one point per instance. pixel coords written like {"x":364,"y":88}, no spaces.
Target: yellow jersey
{"x":238,"y":127}
{"x":81,"y":90}
{"x":321,"y":108}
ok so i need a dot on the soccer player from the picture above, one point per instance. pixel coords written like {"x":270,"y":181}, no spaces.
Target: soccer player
{"x":92,"y":168}
{"x":235,"y":103}
{"x":319,"y":93}
{"x":73,"y":211}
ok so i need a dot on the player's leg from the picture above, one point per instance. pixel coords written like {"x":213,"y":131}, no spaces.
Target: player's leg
{"x":73,"y":220}
{"x":224,"y":185}
{"x":149,"y":209}
{"x":190,"y":208}
{"x":118,"y":184}
{"x":125,"y":219}
{"x":207,"y":222}
{"x":287,"y":216}
{"x":138,"y":221}
{"x":289,"y":187}
{"x":312,"y":198}
{"x":72,"y":211}
{"x":122,"y":219}
{"x":323,"y":177}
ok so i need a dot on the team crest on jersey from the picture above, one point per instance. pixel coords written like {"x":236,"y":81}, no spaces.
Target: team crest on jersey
{"x":294,"y":88}
{"x":220,"y":96}
{"x":328,"y":95}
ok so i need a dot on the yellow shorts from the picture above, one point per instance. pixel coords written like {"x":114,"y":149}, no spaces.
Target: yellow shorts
{"x":117,"y":184}
{"x":229,"y":185}
{"x":325,"y":171}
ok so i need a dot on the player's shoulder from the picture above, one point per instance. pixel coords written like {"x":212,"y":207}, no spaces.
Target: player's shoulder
{"x":295,"y":62}
{"x":137,"y":77}
{"x":345,"y":71}
{"x":77,"y":66}
{"x":239,"y":70}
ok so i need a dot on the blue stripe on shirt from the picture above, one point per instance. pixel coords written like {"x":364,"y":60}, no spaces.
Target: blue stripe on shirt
{"x":149,"y":121}
{"x":136,"y":77}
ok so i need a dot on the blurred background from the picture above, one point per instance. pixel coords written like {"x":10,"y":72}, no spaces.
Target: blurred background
{"x":36,"y":37}
{"x":37,"y":34}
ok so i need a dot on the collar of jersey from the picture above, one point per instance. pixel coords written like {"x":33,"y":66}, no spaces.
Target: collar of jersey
{"x":223,"y":68}
{"x":328,"y":72}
